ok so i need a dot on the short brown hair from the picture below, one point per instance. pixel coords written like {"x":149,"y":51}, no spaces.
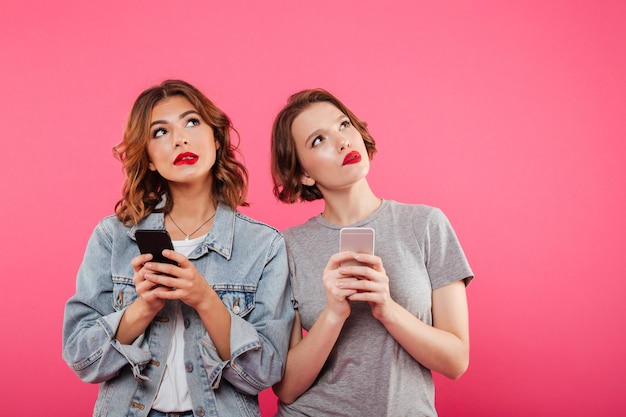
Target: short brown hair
{"x":286,"y":168}
{"x":144,"y":189}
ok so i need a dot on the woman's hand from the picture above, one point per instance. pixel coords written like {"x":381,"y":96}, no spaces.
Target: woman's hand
{"x":337,"y":285}
{"x":182,"y":282}
{"x":145,"y":288}
{"x":369,"y":282}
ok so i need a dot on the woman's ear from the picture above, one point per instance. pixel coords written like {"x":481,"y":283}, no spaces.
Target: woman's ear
{"x":306,"y":180}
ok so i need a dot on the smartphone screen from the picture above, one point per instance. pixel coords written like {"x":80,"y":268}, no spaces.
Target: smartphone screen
{"x":356,"y":239}
{"x":154,"y":241}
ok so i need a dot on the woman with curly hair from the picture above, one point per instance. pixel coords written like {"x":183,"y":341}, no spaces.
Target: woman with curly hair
{"x":204,"y":334}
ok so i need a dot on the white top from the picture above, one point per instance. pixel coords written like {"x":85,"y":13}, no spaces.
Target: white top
{"x":173,"y":392}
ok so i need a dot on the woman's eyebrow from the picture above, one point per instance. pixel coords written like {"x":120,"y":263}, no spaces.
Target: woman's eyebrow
{"x":181,"y":116}
{"x":186,"y":113}
{"x":314,"y":134}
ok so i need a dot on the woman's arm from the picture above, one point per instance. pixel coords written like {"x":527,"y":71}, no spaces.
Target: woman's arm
{"x":138,"y":316}
{"x":90,"y":320}
{"x":308,"y":354}
{"x":183,"y":282}
{"x":442,"y":347}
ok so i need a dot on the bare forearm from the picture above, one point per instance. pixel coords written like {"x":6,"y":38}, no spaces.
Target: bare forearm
{"x":306,"y":359}
{"x":438,"y":350}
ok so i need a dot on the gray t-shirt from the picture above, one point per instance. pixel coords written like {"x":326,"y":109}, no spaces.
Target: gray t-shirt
{"x":368,"y":373}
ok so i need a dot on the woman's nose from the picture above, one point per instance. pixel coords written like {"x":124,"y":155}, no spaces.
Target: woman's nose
{"x":180,"y":138}
{"x":343,"y":143}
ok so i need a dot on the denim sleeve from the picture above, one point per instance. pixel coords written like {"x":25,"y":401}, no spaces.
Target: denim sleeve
{"x":260,"y":341}
{"x":90,"y":321}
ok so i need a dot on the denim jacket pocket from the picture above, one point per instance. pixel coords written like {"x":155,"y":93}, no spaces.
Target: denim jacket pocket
{"x":238,"y":298}
{"x":124,"y":292}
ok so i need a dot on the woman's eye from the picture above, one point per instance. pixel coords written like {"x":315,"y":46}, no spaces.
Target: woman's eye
{"x":193,"y":122}
{"x":158,"y":133}
{"x":345,"y":123}
{"x":316,"y":141}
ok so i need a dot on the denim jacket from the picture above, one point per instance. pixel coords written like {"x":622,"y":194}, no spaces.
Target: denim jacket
{"x":245,"y":262}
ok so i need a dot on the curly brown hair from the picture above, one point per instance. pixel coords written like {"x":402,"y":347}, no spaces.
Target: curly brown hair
{"x":144,"y":189}
{"x":286,"y":168}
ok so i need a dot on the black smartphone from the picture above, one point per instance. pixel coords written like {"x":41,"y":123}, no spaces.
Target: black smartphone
{"x":154,"y":241}
{"x":356,"y":239}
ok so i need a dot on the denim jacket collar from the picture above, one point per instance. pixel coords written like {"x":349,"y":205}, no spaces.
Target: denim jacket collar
{"x":219,"y":239}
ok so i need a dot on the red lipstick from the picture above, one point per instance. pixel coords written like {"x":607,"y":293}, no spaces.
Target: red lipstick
{"x":186,"y":158}
{"x":352,"y":158}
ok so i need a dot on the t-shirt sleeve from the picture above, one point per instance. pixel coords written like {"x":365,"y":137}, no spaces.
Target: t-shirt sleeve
{"x":445,"y":260}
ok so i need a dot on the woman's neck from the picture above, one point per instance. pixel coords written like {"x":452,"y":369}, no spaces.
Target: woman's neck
{"x":350,"y":206}
{"x":192,"y":199}
{"x":191,"y":209}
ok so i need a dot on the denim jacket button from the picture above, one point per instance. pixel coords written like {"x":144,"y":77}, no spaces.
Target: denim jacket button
{"x":236,"y":309}
{"x":189,"y":367}
{"x":186,"y":323}
{"x":200,"y":412}
{"x":138,"y":405}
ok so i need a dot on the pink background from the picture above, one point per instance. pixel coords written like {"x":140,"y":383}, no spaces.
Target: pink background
{"x":508,"y":115}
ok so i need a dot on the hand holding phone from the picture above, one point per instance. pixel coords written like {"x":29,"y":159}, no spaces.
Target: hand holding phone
{"x":153,"y":242}
{"x":356,"y":239}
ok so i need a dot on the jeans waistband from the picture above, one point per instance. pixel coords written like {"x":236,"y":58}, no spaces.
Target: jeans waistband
{"x":155,"y":413}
